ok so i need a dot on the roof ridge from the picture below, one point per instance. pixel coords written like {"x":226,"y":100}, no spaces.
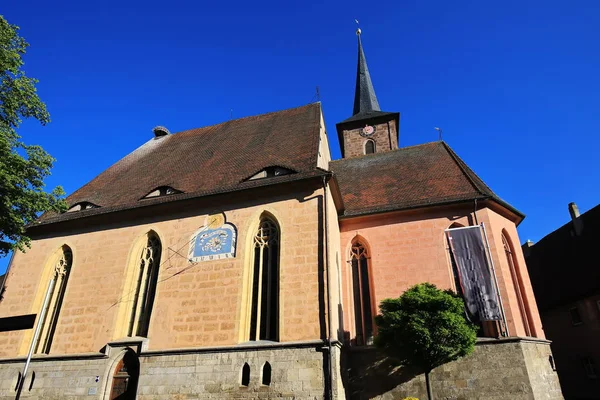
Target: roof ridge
{"x":468,"y":171}
{"x":569,"y":222}
{"x":317,"y":137}
{"x":248,"y":117}
{"x":387,"y":152}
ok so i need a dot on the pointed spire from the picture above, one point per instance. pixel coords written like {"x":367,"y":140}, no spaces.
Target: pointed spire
{"x":364,"y":95}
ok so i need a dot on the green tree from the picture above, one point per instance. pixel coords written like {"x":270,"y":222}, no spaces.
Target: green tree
{"x":22,"y":167}
{"x":425,"y":328}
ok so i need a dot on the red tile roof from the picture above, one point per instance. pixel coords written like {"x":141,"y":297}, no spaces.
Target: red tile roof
{"x":207,"y":160}
{"x":220,"y":159}
{"x":410,"y":177}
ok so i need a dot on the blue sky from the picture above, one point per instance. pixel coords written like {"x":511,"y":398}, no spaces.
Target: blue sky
{"x":513,"y":84}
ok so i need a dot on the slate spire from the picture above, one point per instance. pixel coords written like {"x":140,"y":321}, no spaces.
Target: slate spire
{"x":364,"y":94}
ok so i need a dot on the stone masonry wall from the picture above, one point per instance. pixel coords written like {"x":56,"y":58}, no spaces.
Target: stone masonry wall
{"x":196,"y":304}
{"x":385,"y":137}
{"x":514,"y":369}
{"x":407,"y":248}
{"x":297,"y":372}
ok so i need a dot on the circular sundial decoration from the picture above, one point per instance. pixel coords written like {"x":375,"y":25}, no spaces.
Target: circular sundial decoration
{"x":367,"y":131}
{"x":215,"y":240}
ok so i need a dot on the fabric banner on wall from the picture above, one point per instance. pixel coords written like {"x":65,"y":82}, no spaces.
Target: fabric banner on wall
{"x":476,"y":280}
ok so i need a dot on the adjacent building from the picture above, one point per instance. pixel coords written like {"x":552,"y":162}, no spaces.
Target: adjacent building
{"x":239,"y":261}
{"x":566,"y":280}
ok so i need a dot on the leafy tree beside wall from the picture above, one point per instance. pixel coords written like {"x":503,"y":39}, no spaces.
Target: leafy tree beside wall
{"x":424,"y":328}
{"x":23,"y":168}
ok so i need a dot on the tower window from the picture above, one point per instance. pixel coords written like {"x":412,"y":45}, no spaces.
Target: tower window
{"x":145,"y":287}
{"x":369,"y":147}
{"x":363,"y":316}
{"x":60,"y":276}
{"x":264,"y":318}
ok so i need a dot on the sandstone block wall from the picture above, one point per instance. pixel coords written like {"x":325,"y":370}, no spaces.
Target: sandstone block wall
{"x":385,"y":137}
{"x":195,"y":304}
{"x":497,"y":369}
{"x":410,"y":247}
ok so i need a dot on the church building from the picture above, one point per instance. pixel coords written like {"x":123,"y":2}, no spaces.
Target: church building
{"x":193,"y":269}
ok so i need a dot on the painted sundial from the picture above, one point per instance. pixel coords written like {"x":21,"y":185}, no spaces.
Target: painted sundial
{"x":215,"y":240}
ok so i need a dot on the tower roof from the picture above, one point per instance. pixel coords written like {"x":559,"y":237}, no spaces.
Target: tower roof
{"x":365,"y":100}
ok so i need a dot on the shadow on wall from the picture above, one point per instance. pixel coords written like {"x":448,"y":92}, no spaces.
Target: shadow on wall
{"x":381,"y":376}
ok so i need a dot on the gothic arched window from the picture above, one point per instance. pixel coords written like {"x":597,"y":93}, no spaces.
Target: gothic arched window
{"x":517,"y":283}
{"x":60,"y":276}
{"x":369,"y":147}
{"x":264,"y":319}
{"x":145,"y":286}
{"x":245,"y":375}
{"x":363,"y":315}
{"x":266,"y":374}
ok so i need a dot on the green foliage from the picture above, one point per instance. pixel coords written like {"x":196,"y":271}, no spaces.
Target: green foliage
{"x":410,"y":398}
{"x":22,"y":167}
{"x":425,"y":327}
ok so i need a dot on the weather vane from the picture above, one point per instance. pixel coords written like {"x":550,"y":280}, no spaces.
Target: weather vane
{"x":358,"y":31}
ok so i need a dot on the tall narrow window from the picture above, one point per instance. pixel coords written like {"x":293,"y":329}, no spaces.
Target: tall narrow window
{"x":518,"y":284}
{"x":264,"y":320}
{"x":369,"y":147}
{"x":266,"y":374}
{"x":60,"y":276}
{"x":363,"y":316}
{"x":245,"y":375}
{"x":145,"y":287}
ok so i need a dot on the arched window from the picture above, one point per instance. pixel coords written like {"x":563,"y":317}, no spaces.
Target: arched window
{"x":518,"y":284}
{"x":245,"y":381}
{"x":363,"y":315}
{"x":264,"y":316}
{"x":59,"y":278}
{"x":139,"y":287}
{"x":369,"y":147}
{"x":266,"y":374}
{"x":125,"y":377}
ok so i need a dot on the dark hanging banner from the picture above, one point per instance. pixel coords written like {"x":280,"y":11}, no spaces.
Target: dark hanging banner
{"x":476,"y":280}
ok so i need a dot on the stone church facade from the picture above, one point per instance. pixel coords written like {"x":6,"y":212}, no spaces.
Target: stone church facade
{"x":194,"y":269}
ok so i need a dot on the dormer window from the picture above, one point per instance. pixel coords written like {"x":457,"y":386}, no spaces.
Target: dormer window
{"x":84,"y":205}
{"x":162,"y":191}
{"x":270,"y":172}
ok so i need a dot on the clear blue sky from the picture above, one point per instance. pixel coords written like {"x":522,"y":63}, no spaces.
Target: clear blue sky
{"x":514,"y":84}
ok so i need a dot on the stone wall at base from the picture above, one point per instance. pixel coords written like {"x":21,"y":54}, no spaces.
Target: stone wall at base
{"x":54,"y":378}
{"x":209,"y":373}
{"x":296,"y":373}
{"x":515,"y":369}
{"x":498,"y":369}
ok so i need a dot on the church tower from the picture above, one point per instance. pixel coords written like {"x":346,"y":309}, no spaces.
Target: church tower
{"x":369,"y":130}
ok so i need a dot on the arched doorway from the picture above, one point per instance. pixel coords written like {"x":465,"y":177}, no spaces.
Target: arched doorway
{"x":125,"y":378}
